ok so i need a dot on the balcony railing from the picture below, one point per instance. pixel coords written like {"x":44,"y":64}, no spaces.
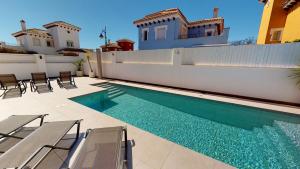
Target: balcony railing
{"x":187,"y":36}
{"x":289,"y":3}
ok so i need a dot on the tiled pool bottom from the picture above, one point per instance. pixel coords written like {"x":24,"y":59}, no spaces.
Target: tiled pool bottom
{"x":241,"y":136}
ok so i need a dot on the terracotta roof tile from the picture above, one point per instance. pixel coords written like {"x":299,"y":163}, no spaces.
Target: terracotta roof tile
{"x":162,"y":13}
{"x":176,"y":11}
{"x":57,"y":23}
{"x":33,"y":31}
{"x":125,"y":40}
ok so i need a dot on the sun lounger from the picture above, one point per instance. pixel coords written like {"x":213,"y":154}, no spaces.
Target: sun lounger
{"x":39,"y":80}
{"x":31,"y":151}
{"x":65,"y":78}
{"x":14,"y":123}
{"x":102,"y":149}
{"x":9,"y":82}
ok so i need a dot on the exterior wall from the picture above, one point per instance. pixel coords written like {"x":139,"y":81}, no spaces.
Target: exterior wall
{"x":185,"y":43}
{"x":19,"y":64}
{"x":151,"y":43}
{"x":22,"y":65}
{"x":274,"y":16}
{"x":253,"y":71}
{"x":28,"y":45}
{"x":292,"y":26}
{"x":173,"y":41}
{"x":61,"y":36}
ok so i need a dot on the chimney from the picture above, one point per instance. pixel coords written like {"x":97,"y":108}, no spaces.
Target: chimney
{"x":216,"y":12}
{"x":23,"y":25}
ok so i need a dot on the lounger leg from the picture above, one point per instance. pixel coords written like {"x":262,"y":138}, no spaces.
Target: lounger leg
{"x":25,"y":87}
{"x":20,"y":88}
{"x":32,"y":87}
{"x":49,"y":86}
{"x":42,"y":120}
{"x":3,"y":93}
{"x":59,"y":83}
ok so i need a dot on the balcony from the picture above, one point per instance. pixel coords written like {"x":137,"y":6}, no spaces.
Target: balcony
{"x":188,"y":36}
{"x":288,"y":4}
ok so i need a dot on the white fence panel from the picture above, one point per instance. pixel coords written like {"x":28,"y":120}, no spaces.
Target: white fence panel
{"x":16,"y":58}
{"x":146,"y":56}
{"x":61,"y":59}
{"x":279,"y":55}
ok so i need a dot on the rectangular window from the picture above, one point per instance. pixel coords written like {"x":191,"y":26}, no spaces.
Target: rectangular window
{"x":20,"y":42}
{"x":36,"y":42}
{"x":145,"y":34}
{"x":49,"y":43}
{"x":70,"y":44}
{"x":209,"y":32}
{"x":161,"y":32}
{"x":276,"y":34}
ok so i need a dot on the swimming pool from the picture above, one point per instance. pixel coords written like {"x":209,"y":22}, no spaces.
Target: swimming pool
{"x":241,"y":136}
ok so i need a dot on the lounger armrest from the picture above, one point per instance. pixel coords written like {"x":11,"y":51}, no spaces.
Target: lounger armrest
{"x":126,"y":140}
{"x":43,"y":115}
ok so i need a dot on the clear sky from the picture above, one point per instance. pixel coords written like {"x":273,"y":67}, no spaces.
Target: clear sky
{"x":242,"y":16}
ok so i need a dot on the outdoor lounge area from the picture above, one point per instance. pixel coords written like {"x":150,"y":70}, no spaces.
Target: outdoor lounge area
{"x":143,"y":85}
{"x":145,"y":150}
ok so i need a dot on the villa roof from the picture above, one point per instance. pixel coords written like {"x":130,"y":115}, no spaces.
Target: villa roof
{"x":71,"y":50}
{"x":111,"y":45}
{"x":176,"y":11}
{"x":203,"y":21}
{"x":62,"y":24}
{"x":287,"y":4}
{"x":125,"y":40}
{"x":33,"y":31}
{"x":163,"y":13}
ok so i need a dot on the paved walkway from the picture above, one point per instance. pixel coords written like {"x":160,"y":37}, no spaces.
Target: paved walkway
{"x":149,"y":152}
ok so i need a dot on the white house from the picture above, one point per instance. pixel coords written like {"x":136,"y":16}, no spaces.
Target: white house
{"x":58,"y":38}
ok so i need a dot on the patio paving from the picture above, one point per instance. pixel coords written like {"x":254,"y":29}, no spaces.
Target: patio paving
{"x":149,"y":151}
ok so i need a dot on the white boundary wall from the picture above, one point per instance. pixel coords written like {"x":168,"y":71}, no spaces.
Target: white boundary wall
{"x":252,"y":71}
{"x":22,"y":65}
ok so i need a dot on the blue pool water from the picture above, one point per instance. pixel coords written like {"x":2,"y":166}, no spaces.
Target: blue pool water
{"x":241,"y":136}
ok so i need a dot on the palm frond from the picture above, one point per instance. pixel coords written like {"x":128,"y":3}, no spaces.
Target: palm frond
{"x":295,"y":74}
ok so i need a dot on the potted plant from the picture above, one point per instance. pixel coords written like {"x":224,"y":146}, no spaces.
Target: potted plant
{"x":79,"y":67}
{"x":88,"y":57}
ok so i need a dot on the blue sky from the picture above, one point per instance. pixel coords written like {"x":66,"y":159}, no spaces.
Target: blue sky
{"x":242,"y":16}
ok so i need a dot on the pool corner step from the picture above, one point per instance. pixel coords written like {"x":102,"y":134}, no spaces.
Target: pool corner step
{"x":281,"y":142}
